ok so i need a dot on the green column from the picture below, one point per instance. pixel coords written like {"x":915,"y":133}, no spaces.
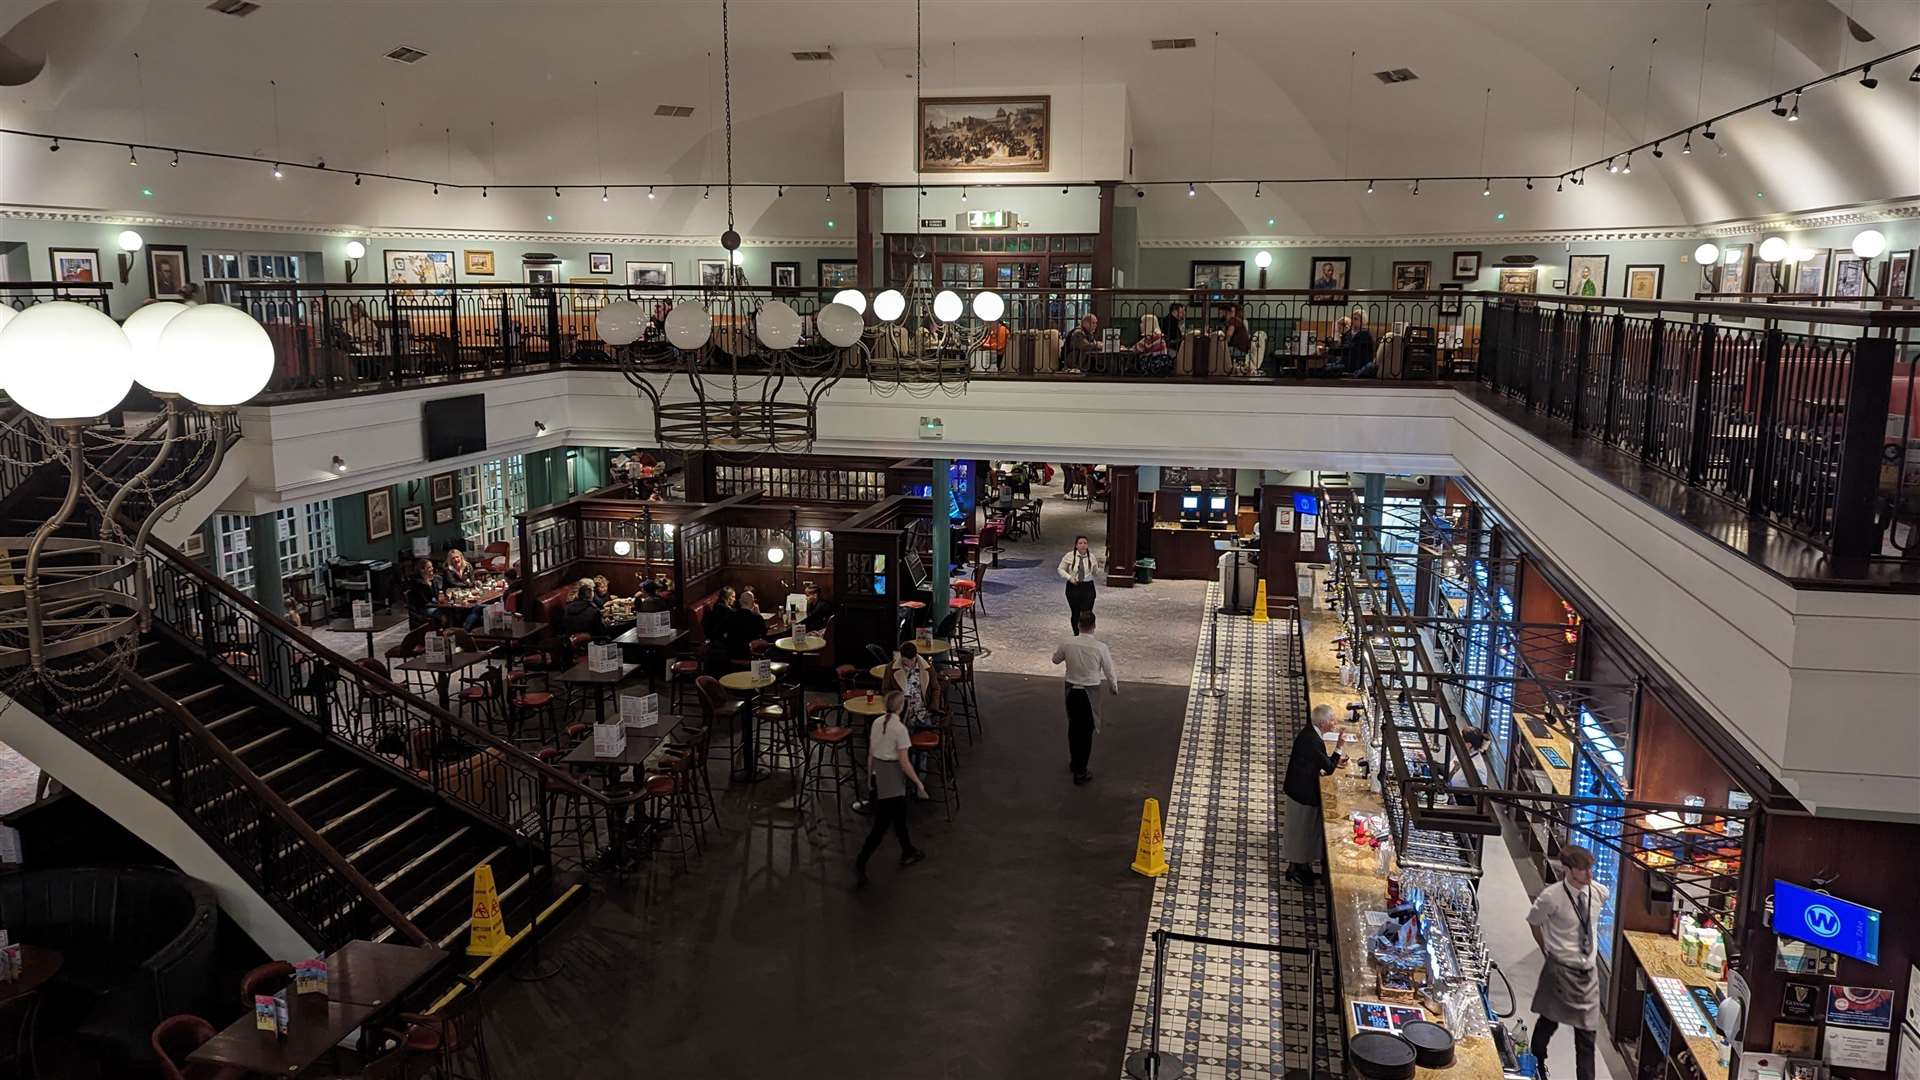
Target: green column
{"x":1373,"y":489}
{"x":942,"y":541}
{"x":263,"y":539}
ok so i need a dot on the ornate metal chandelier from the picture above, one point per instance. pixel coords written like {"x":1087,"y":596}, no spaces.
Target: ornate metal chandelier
{"x":72,"y":606}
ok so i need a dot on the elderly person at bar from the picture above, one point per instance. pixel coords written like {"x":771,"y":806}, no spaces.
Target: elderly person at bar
{"x":1151,"y":339}
{"x":1309,"y":761}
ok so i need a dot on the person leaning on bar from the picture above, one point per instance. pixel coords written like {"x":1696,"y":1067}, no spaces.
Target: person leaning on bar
{"x":1301,"y":842}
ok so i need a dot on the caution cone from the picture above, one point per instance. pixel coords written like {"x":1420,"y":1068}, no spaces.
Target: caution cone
{"x":1150,"y":858}
{"x":488,"y":933}
{"x":1260,"y":602}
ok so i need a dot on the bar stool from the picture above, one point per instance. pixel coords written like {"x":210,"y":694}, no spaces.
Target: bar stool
{"x":528,"y":700}
{"x":960,"y":693}
{"x":681,"y":673}
{"x":482,"y":695}
{"x":565,"y":812}
{"x":696,"y":748}
{"x":967,"y":625}
{"x":936,"y":745}
{"x":779,"y":719}
{"x":717,"y":713}
{"x":827,"y":763}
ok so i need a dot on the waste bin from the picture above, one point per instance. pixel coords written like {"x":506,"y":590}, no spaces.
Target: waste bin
{"x":1143,"y":571}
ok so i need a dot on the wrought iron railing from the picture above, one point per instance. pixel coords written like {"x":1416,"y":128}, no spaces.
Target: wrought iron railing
{"x":1806,"y":420}
{"x":20,"y":295}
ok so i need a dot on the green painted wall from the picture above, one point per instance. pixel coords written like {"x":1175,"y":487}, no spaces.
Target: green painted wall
{"x":350,"y":524}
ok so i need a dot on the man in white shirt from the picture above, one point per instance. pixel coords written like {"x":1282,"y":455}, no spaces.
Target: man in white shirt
{"x":1089,"y":663}
{"x":1079,"y":569}
{"x":1565,"y":920}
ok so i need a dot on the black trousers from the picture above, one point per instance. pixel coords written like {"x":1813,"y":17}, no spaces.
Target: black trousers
{"x":1079,"y":728}
{"x":1079,"y":599}
{"x":887,"y":814}
{"x":1543,"y":1030}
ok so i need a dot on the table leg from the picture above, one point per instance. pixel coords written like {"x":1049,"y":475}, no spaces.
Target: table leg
{"x":747,"y":767}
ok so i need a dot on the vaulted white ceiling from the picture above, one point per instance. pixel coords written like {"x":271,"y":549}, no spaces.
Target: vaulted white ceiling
{"x":507,"y":94}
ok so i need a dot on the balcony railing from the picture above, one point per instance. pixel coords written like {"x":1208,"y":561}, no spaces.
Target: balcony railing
{"x":20,"y":295}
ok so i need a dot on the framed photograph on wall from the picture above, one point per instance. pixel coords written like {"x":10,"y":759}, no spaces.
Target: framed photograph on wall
{"x":1412,"y":276}
{"x":713,"y":273}
{"x":443,"y":515}
{"x":599,"y":262}
{"x":443,"y":488}
{"x":1466,"y":265}
{"x":650,"y":275}
{"x":1810,"y":277}
{"x":1328,"y":273}
{"x":418,"y":267}
{"x":167,"y":274}
{"x":1587,"y":275}
{"x":1515,"y":279}
{"x":1643,"y":282}
{"x":985,"y":134}
{"x":1849,"y":276}
{"x":786,"y":275}
{"x":413,"y":518}
{"x":1899,"y":274}
{"x":1217,"y":275}
{"x":379,"y":514}
{"x":837,"y":274}
{"x":75,"y":265}
{"x":478,"y":263}
{"x":1450,"y":301}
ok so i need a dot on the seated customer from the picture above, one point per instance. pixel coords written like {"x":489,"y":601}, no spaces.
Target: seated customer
{"x":602,"y":590}
{"x":648,"y":599}
{"x":1081,"y":344}
{"x":1239,"y":338}
{"x":581,"y":615}
{"x":819,"y":608}
{"x":422,"y":591}
{"x":752,"y":625}
{"x":1151,"y":340}
{"x":1359,"y":355}
{"x":459,"y":572}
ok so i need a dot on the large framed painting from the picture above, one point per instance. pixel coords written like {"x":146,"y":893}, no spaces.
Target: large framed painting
{"x":379,"y":514}
{"x":1466,"y":265}
{"x":1514,"y":279}
{"x":985,"y":134}
{"x":1328,"y":273}
{"x":650,"y":275}
{"x":713,"y":273}
{"x":1412,"y":276}
{"x":1217,"y":275}
{"x":418,"y":267}
{"x":1587,"y":275}
{"x":77,"y":266}
{"x":167,"y":275}
{"x":836,"y":274}
{"x":1810,"y":275}
{"x":1643,"y":282}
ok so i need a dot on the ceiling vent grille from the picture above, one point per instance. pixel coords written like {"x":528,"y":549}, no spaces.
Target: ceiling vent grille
{"x":1174,"y":43}
{"x":673,"y":110}
{"x":407,"y":55}
{"x":817,"y":55}
{"x":1396,"y":75}
{"x":239,"y":9}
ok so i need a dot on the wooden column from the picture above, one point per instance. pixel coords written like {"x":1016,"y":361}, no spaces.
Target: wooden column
{"x":696,"y":476}
{"x":1123,"y":531}
{"x":863,"y":214}
{"x":1103,"y":254}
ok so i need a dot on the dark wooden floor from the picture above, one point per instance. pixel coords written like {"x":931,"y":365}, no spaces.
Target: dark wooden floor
{"x":1011,"y":952}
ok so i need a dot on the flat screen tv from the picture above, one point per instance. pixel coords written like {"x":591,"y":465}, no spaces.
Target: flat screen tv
{"x":455,"y":426}
{"x":1834,"y":924}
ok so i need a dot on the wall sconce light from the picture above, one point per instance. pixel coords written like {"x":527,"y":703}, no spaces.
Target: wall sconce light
{"x":355,"y":252}
{"x":539,"y":428}
{"x":130,"y":242}
{"x":339,"y":465}
{"x":623,"y":548}
{"x":776,"y":555}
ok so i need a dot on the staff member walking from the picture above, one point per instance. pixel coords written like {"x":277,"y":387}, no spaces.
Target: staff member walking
{"x":889,"y":770}
{"x":1079,"y":568}
{"x":1089,"y":663}
{"x":1308,"y":762}
{"x":1562,"y":918}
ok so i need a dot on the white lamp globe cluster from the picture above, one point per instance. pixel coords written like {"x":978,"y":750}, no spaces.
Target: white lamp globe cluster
{"x":68,"y":361}
{"x":778,"y":326}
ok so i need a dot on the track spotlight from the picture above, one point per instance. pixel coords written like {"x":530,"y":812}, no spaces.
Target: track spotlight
{"x":556,"y":192}
{"x":356,"y":176}
{"x":829,"y":194}
{"x":339,"y":465}
{"x":963,"y":194}
{"x":923,"y":193}
{"x":1687,"y":147}
{"x":1139,"y":193}
{"x":483,"y":191}
{"x":55,"y":148}
{"x":1063,"y":189}
{"x":1416,"y":187}
{"x":1369,"y":187}
{"x":1778,"y":108}
{"x":1613,"y":166}
{"x":1867,"y":80}
{"x":175,"y":163}
{"x":1627,"y":168}
{"x":707,"y":192}
{"x":436,"y":189}
{"x":277,"y":174}
{"x":1794,"y":113}
{"x":603,"y":194}
{"x":1529,"y":183}
{"x":1256,"y":190}
{"x":1707,"y":132}
{"x":1487,"y":188}
{"x":131,"y":160}
{"x":649,"y":191}
{"x":780,"y":192}
{"x":1657,"y":152}
{"x":1190,"y":192}
{"x":1560,"y":184}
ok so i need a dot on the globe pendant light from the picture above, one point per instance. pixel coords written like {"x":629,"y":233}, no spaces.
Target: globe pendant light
{"x":217,"y":355}
{"x":852,"y":298}
{"x":143,"y":329}
{"x":621,"y":322}
{"x":839,"y":324}
{"x":947,"y":306}
{"x":889,"y":305}
{"x":1870,"y":244}
{"x":65,"y":361}
{"x":988,"y":306}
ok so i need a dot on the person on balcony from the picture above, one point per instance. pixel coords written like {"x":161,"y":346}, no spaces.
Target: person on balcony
{"x":1082,"y":343}
{"x":1239,"y":338}
{"x":1151,"y":339}
{"x":1359,"y":358}
{"x":1176,"y":314}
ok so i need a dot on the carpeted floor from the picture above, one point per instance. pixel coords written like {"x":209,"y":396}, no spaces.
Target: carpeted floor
{"x":1150,"y":628}
{"x":1011,"y":952}
{"x":18,"y":779}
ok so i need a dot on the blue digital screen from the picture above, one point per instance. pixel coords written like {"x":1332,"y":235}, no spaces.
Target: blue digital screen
{"x":1306,"y":504}
{"x":1827,"y":921}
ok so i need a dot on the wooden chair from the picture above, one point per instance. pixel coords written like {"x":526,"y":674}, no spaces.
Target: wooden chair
{"x":453,"y":1040}
{"x":178,"y":1036}
{"x":269,"y":978}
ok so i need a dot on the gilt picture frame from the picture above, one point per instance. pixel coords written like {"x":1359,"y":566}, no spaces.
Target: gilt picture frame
{"x":985,"y":134}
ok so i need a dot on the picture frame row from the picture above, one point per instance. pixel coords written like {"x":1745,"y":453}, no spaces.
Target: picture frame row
{"x":378,"y":505}
{"x":427,"y":268}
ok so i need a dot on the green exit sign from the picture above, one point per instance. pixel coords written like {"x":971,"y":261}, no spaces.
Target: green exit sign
{"x":992,"y":219}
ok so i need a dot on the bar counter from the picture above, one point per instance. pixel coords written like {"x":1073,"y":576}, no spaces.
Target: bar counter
{"x":1182,"y":554}
{"x":1353,"y":873}
{"x":1659,"y":955}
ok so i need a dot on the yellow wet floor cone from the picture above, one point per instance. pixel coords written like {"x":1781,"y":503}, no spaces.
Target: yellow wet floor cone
{"x":488,"y":933}
{"x":1150,"y":858}
{"x":1260,"y":602}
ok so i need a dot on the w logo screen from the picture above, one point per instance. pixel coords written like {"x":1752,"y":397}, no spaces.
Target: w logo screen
{"x":1827,"y":921}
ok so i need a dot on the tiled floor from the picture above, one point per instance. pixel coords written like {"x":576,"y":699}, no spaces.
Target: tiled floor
{"x":1238,"y":1012}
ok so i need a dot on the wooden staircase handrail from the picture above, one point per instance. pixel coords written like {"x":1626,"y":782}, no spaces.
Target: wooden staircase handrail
{"x":279,"y":807}
{"x":380,"y":684}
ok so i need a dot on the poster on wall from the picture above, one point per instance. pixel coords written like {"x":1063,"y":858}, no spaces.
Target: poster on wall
{"x":418,"y":267}
{"x":1810,"y":275}
{"x":1643,"y":282}
{"x":1466,"y":265}
{"x":1802,"y":1001}
{"x":1908,"y":1067}
{"x":379,"y":514}
{"x":1899,"y":273}
{"x":985,"y":134}
{"x":74,"y":265}
{"x":1860,"y":1007}
{"x":1587,"y":275}
{"x":1855,"y":1049}
{"x":1849,"y":276}
{"x":1412,"y":276}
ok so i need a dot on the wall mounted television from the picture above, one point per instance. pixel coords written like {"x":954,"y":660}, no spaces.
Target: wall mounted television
{"x":455,"y":426}
{"x":1838,"y":925}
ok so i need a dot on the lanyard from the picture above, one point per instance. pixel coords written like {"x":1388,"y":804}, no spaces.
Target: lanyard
{"x":1582,"y":910}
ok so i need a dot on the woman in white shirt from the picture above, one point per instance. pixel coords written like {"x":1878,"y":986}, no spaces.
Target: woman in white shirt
{"x":911,"y":677}
{"x":1079,"y":569}
{"x":889,"y":770}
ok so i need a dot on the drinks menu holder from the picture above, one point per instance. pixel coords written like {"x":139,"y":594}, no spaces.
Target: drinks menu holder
{"x":436,"y":648}
{"x":609,"y":740}
{"x":762,"y":669}
{"x":310,"y":976}
{"x":639,"y":710}
{"x":363,"y":614}
{"x":603,"y":656}
{"x":653,"y":623}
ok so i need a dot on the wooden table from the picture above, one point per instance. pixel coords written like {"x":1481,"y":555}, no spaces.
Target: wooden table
{"x":747,"y":768}
{"x":315,"y":1025}
{"x":1560,"y":778}
{"x":636,"y":752}
{"x":376,"y":973}
{"x":635,"y":644}
{"x":380,"y":624}
{"x":581,"y":674}
{"x":442,"y":670}
{"x":806,"y":644}
{"x":37,"y":966}
{"x":861,"y":705}
{"x":934,"y":647}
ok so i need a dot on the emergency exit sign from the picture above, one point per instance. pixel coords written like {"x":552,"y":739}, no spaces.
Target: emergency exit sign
{"x":933,"y":223}
{"x":992,"y":219}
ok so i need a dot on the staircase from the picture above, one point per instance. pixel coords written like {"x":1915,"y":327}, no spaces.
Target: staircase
{"x":353,"y":808}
